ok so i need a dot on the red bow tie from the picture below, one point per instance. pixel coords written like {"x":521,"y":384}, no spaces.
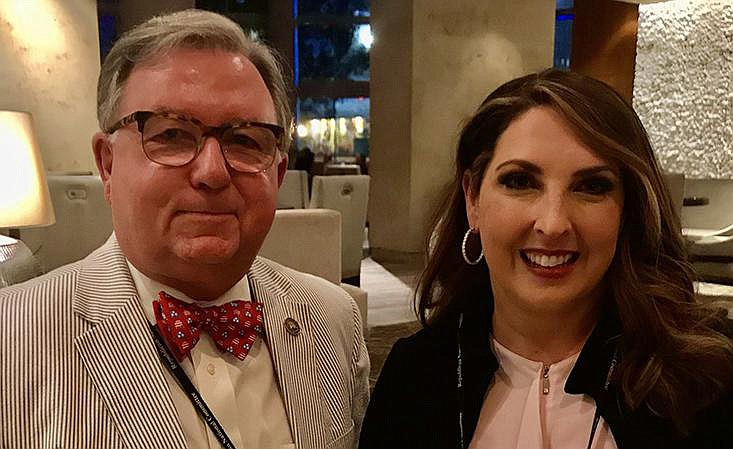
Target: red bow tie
{"x":233,"y":326}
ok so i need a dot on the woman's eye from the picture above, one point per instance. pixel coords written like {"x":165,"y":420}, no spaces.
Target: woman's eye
{"x":595,"y":186}
{"x":518,"y":181}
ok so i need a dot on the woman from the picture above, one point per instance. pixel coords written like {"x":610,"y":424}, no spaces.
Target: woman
{"x":557,"y":303}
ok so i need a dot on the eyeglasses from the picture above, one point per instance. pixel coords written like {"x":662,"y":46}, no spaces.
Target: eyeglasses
{"x":174,"y":140}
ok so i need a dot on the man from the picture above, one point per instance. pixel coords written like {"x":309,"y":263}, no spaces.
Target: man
{"x":194,"y":118}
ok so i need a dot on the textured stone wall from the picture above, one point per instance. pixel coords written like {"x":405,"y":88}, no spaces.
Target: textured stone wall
{"x":683,"y":88}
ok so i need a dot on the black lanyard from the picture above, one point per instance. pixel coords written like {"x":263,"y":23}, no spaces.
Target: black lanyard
{"x":597,"y":415}
{"x":461,"y":397}
{"x":193,"y":395}
{"x":459,"y":387}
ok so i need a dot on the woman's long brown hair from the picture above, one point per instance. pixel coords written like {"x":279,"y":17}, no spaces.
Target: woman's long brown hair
{"x":675,"y":360}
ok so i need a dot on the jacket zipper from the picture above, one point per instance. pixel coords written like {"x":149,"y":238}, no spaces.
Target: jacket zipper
{"x":545,"y":379}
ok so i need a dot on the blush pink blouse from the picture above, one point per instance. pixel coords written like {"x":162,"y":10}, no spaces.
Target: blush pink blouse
{"x":526,"y":407}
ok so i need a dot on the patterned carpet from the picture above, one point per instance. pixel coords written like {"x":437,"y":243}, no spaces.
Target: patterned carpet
{"x":380,"y":341}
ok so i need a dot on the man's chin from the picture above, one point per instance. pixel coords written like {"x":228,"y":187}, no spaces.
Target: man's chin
{"x":208,"y":250}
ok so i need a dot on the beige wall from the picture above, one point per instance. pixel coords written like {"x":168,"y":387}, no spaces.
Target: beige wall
{"x":49,"y":62}
{"x":423,"y":85}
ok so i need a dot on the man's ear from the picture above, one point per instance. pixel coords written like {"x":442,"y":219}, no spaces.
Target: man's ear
{"x":103,"y":157}
{"x":282,"y":167}
{"x":471,"y":199}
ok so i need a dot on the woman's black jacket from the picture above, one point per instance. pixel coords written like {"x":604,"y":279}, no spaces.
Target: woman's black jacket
{"x":415,"y":401}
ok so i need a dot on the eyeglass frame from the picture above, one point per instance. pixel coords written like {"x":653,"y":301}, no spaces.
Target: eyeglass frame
{"x":140,"y":117}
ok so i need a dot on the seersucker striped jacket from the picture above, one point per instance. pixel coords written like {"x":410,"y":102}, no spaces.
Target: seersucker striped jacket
{"x":78,"y":368}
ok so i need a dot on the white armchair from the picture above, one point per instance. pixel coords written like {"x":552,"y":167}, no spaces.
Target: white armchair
{"x":83,"y":221}
{"x":349,"y":195}
{"x":309,"y":240}
{"x":293,"y":193}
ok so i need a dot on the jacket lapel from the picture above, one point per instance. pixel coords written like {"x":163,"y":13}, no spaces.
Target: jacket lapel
{"x":292,"y":347}
{"x":119,"y":355}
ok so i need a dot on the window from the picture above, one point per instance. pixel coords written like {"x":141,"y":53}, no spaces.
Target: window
{"x":251,"y":15}
{"x":334,"y":126}
{"x":332,"y":39}
{"x":564,"y":16}
{"x":327,"y":43}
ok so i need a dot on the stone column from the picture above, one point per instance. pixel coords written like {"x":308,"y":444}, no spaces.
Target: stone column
{"x":432,"y":63}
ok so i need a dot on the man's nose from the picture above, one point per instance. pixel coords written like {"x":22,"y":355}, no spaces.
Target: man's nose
{"x":210,"y":169}
{"x":552,"y":216}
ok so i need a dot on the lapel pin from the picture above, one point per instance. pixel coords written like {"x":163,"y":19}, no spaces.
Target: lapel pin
{"x":292,"y":327}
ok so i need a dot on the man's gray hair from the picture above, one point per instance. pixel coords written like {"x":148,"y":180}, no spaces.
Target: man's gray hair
{"x":187,"y":29}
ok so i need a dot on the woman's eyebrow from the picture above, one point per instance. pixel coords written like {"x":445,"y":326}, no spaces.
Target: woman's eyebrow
{"x":594,"y":170}
{"x":533,"y":168}
{"x":530,"y":167}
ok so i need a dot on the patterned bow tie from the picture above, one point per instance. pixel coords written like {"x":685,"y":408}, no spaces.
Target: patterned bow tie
{"x":233,"y":326}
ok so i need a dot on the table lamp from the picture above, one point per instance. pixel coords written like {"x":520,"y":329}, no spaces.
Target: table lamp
{"x":24,"y":198}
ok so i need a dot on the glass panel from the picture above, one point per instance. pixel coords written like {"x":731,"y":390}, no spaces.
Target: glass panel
{"x":107,"y":34}
{"x":563,"y":41}
{"x":352,"y":107}
{"x":354,"y":8}
{"x":564,"y":4}
{"x":251,"y":15}
{"x":239,"y":6}
{"x":334,"y":51}
{"x":309,"y":108}
{"x":334,"y":126}
{"x":248,"y":6}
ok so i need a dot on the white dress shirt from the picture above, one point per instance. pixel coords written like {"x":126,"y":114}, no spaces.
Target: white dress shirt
{"x":526,"y":407}
{"x":243,"y":395}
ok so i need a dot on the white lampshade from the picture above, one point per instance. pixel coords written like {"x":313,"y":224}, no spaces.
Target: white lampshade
{"x":24,"y":198}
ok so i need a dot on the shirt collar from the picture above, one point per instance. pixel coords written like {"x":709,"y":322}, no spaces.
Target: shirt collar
{"x":148,"y":292}
{"x":589,"y":372}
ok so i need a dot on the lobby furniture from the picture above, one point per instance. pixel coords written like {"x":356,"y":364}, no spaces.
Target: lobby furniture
{"x":708,"y":227}
{"x":721,"y":294}
{"x":83,"y":221}
{"x":293,"y":193}
{"x":341,"y":169}
{"x":349,"y":195}
{"x":309,"y":240}
{"x":714,"y":212}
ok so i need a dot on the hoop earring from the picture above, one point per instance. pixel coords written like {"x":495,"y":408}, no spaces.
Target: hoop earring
{"x":463,"y":250}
